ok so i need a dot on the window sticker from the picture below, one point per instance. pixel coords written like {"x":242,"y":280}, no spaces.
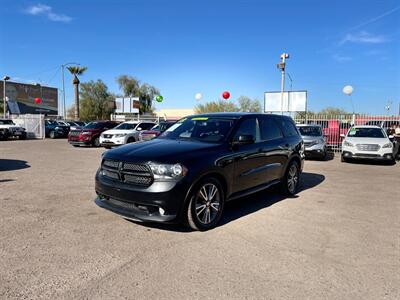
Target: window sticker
{"x":200,"y":119}
{"x":353,"y":131}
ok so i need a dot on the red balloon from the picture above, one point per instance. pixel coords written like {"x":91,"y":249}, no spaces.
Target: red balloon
{"x":38,"y":100}
{"x":226,"y":95}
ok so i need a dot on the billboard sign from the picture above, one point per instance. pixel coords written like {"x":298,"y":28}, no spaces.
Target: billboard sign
{"x":293,"y":101}
{"x":21,"y":98}
{"x":127,"y":105}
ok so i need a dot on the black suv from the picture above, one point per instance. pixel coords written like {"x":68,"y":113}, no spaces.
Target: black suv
{"x":190,"y":171}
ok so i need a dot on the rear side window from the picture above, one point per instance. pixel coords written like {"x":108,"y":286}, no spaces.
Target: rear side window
{"x":269,"y":129}
{"x":146,"y":126}
{"x":288,"y":127}
{"x":248,"y":127}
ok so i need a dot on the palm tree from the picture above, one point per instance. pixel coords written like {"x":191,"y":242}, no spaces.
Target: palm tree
{"x":76,"y":70}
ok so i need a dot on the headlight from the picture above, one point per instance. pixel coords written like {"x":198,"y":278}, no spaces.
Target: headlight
{"x":348,"y":144}
{"x":321,"y":141}
{"x":120,"y":135}
{"x":388,"y":145}
{"x":167,"y":171}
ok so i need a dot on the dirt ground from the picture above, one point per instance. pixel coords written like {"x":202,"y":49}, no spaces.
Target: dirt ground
{"x":338,"y":239}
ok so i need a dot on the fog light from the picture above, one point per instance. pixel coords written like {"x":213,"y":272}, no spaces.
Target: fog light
{"x":161,"y":211}
{"x":346,"y":154}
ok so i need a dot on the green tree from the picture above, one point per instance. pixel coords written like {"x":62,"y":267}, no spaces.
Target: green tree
{"x":96,"y":101}
{"x":216,"y":106}
{"x":75,"y":71}
{"x":333,"y":111}
{"x":131,"y":87}
{"x":248,"y":105}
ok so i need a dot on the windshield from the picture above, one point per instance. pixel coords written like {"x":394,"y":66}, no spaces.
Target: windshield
{"x":94,"y":125}
{"x":128,"y":126}
{"x":204,"y":129}
{"x":6,"y":122}
{"x":310,"y":130}
{"x":366,"y":132}
{"x":79,"y":123}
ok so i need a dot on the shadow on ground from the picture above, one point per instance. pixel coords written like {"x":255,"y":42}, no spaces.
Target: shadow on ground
{"x":247,"y":205}
{"x":371,"y":162}
{"x":13,"y":164}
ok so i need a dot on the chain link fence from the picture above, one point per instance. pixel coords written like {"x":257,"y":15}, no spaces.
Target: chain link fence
{"x":334,"y":126}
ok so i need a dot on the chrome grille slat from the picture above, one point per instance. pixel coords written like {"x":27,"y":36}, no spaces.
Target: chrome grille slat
{"x":137,"y":174}
{"x":367,"y":147}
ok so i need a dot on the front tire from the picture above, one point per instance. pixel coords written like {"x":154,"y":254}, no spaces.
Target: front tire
{"x":206,"y":205}
{"x":96,"y":142}
{"x":52,"y":135}
{"x":291,"y":180}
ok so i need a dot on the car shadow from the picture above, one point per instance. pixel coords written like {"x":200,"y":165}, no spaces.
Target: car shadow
{"x":241,"y":207}
{"x":13,"y":164}
{"x":250,"y":204}
{"x":6,"y":180}
{"x":371,"y":162}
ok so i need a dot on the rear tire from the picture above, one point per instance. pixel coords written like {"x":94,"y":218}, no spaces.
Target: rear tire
{"x":291,"y":180}
{"x":342,"y":159}
{"x":130,"y":140}
{"x":52,"y":135}
{"x":206,"y":205}
{"x":96,"y":142}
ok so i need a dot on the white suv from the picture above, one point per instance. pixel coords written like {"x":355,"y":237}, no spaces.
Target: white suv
{"x":11,"y":130}
{"x":367,"y":142}
{"x":124,"y":133}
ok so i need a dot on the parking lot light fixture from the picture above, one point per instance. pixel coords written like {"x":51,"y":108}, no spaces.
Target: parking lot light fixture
{"x":5,"y":78}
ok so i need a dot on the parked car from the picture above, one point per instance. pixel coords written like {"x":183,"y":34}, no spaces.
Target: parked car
{"x":194,"y":167}
{"x":146,"y":135}
{"x":314,"y":140}
{"x":9,"y":129}
{"x":367,"y":142}
{"x":75,"y":125}
{"x":89,"y":135}
{"x":55,"y":129}
{"x":124,"y":133}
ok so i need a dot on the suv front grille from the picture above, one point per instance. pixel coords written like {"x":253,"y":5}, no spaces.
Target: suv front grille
{"x":107,"y":136}
{"x":74,"y":133}
{"x":131,"y":173}
{"x":367,"y":147}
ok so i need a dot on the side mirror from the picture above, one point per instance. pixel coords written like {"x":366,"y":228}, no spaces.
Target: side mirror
{"x":244,"y":139}
{"x":343,"y":135}
{"x":391,"y":137}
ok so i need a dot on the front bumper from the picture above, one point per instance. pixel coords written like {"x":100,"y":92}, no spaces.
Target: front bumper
{"x":142,"y":203}
{"x":372,"y":156}
{"x":315,"y":150}
{"x":80,"y":143}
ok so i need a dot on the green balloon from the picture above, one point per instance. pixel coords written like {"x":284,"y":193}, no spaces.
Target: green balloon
{"x":159,"y":98}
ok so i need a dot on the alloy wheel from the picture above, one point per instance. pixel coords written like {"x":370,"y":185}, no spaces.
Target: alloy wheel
{"x":207,"y":203}
{"x":293,"y":178}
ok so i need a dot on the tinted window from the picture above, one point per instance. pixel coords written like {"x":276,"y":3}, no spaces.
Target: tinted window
{"x":247,"y":127}
{"x":146,"y":126}
{"x":288,"y":127}
{"x":95,"y":125}
{"x":204,"y":129}
{"x":310,"y":130}
{"x":366,"y":132}
{"x":269,"y":129}
{"x":127,"y":126}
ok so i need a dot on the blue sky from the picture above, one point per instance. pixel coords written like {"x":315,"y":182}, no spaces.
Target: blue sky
{"x":186,"y":46}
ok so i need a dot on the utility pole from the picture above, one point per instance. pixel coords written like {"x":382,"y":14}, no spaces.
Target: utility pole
{"x":281,"y":66}
{"x":5,"y":78}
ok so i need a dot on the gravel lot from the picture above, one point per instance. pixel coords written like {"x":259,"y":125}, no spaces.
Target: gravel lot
{"x":338,"y":239}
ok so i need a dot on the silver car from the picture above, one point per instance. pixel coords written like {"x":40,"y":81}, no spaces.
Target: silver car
{"x":314,"y":140}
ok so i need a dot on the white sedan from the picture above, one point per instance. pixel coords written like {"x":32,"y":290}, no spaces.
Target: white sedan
{"x":367,"y":142}
{"x":124,"y":133}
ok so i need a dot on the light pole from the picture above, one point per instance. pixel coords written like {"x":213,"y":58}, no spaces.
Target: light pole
{"x":281,"y":66}
{"x":5,"y":78}
{"x":63,"y":84}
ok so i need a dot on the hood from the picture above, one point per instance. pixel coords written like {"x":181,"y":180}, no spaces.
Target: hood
{"x":160,"y":150}
{"x":118,"y":131}
{"x":364,"y":140}
{"x":308,"y":138}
